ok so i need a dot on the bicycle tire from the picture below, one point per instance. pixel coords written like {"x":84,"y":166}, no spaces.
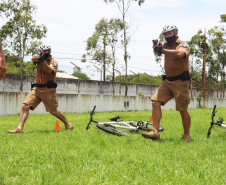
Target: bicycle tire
{"x":147,"y":127}
{"x":111,"y":129}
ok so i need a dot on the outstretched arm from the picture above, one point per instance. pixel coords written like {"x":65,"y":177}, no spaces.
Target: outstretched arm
{"x":3,"y":67}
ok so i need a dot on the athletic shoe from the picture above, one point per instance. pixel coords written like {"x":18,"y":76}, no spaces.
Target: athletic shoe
{"x":151,"y":135}
{"x":17,"y":130}
{"x":69,"y":127}
{"x":186,"y":138}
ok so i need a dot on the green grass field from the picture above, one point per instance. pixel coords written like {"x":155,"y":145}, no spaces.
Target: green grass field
{"x":42,"y":156}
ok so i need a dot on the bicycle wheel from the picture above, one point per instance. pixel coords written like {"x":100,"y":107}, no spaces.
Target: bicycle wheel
{"x":145,"y":125}
{"x":111,"y":129}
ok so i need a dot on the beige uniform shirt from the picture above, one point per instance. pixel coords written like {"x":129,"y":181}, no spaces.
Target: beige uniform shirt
{"x":175,"y":66}
{"x":42,"y":77}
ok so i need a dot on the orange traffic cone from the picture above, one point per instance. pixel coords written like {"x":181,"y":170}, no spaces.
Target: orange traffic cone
{"x":57,"y":127}
{"x":151,"y":119}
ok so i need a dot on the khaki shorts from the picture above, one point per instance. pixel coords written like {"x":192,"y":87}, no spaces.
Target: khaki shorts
{"x":46,"y":95}
{"x":177,"y":89}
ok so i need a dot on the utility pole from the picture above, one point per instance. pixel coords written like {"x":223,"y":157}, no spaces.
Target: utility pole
{"x":100,"y":78}
{"x":204,"y":68}
{"x":137,"y":76}
{"x":119,"y":80}
{"x":78,"y":74}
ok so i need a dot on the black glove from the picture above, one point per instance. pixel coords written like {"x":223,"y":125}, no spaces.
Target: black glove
{"x":158,"y":49}
{"x":41,"y":59}
{"x":46,"y":56}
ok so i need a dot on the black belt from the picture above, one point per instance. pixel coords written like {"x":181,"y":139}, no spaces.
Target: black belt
{"x":49,"y":84}
{"x":174,"y":78}
{"x":185,"y":76}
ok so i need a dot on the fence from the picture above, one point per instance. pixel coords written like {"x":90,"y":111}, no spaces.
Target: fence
{"x":11,"y":83}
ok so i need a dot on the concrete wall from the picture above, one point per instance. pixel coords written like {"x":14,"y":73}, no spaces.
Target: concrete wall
{"x":11,"y":83}
{"x":11,"y":103}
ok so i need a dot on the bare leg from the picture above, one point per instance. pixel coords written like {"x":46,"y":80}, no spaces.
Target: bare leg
{"x":23,"y":115}
{"x":61,"y":117}
{"x":186,"y":119}
{"x":156,"y":114}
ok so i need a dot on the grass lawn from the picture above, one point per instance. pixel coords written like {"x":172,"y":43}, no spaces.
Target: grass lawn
{"x":42,"y":156}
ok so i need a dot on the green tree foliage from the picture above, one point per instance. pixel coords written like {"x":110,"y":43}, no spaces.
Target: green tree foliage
{"x":218,"y":45}
{"x":20,"y":31}
{"x":78,"y":73}
{"x":106,"y":35}
{"x":223,"y":18}
{"x":196,"y":45}
{"x":124,"y":6}
{"x":13,"y":65}
{"x":143,"y":79}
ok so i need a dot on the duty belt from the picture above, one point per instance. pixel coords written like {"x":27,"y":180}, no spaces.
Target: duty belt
{"x":185,"y":76}
{"x":49,"y":84}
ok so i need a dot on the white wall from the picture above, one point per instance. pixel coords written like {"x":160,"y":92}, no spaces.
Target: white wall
{"x":11,"y":103}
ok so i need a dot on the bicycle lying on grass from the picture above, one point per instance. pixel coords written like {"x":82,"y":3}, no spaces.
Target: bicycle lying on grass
{"x":219,"y":123}
{"x":111,"y":127}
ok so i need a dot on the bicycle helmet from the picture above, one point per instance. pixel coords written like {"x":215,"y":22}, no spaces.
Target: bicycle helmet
{"x":169,"y":27}
{"x":43,"y":47}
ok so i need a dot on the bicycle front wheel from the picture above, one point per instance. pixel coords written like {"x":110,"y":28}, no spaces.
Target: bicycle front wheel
{"x":145,"y":125}
{"x":111,"y":129}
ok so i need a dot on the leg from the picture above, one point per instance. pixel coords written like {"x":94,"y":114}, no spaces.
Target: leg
{"x":186,"y":119}
{"x":156,"y":114}
{"x":61,"y":117}
{"x":23,"y":117}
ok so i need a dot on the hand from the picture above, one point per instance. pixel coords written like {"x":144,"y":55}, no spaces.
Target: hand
{"x":46,"y":56}
{"x":158,"y":48}
{"x":41,"y":59}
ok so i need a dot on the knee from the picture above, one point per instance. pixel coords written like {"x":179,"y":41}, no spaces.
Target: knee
{"x":53,"y":112}
{"x":156,"y":104}
{"x":25,"y":107}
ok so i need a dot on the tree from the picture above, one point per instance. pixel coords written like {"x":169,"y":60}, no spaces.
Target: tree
{"x":218,"y":45}
{"x":20,"y":30}
{"x":106,"y":34}
{"x":124,"y":6}
{"x":13,"y":65}
{"x":223,"y":18}
{"x":196,"y":45}
{"x":78,"y":73}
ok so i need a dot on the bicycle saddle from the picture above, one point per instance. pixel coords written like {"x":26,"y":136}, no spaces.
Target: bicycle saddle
{"x":115,"y":118}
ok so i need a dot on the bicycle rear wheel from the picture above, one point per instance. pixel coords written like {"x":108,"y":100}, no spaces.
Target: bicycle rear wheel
{"x":111,"y":129}
{"x":145,"y":125}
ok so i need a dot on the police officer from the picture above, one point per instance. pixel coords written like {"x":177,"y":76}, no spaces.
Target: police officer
{"x":3,"y":67}
{"x":43,"y":90}
{"x":175,"y":82}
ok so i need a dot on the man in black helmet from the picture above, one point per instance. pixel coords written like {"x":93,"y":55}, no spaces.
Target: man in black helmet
{"x":175,"y":83}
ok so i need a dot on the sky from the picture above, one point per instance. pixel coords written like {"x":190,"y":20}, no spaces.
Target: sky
{"x":71,"y":22}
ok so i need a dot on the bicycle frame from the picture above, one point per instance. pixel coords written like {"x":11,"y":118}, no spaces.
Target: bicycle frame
{"x":116,"y":124}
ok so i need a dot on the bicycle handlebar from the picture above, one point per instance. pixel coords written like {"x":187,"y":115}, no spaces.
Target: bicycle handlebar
{"x":212,"y":123}
{"x":91,"y":118}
